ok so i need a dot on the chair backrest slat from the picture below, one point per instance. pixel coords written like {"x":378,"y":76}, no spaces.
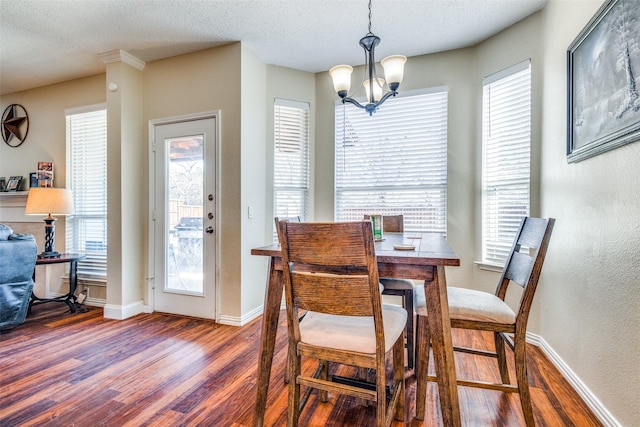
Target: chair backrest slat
{"x":519,"y":269}
{"x":532,"y":232}
{"x":524,"y":267}
{"x":351,"y":291}
{"x":328,"y":244}
{"x":331,"y":267}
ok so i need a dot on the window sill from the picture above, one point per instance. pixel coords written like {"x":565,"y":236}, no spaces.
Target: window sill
{"x":489,"y":266}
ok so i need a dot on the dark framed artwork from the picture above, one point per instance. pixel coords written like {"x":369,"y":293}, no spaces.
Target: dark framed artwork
{"x":603,"y":76}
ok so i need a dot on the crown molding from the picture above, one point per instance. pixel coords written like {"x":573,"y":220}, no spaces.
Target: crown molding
{"x":119,"y":55}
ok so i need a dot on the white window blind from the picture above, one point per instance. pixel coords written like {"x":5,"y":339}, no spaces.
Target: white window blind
{"x":291,"y":159}
{"x":394,"y":162}
{"x":87,"y":179}
{"x":506,"y":147}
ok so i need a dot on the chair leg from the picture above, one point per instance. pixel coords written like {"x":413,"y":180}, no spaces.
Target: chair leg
{"x":398,"y":378}
{"x":293,"y":410}
{"x":286,"y":371}
{"x":408,"y":305}
{"x":422,"y":364}
{"x":381,"y":399}
{"x":502,"y":357}
{"x":324,"y":374}
{"x":523,"y":384}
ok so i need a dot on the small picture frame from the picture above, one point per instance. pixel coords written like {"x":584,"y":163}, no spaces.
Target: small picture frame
{"x":14,"y":183}
{"x":33,"y":180}
{"x":45,"y":174}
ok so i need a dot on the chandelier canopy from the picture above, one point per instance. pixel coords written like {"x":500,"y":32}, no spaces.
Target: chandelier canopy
{"x":374,"y":86}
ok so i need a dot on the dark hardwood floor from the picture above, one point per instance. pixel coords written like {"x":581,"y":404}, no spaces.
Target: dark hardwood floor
{"x":63,"y":369}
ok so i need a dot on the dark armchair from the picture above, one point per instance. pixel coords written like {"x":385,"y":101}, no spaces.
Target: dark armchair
{"x":17,"y":263}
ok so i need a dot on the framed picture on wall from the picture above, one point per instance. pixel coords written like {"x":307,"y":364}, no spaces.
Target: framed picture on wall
{"x":603,"y":79}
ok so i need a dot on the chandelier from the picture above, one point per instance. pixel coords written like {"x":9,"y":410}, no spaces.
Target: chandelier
{"x":374,"y":86}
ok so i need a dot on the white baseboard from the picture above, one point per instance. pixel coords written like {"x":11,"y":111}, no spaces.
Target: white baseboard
{"x":121,"y":312}
{"x":95,"y":302}
{"x":581,"y":388}
{"x":240,"y":321}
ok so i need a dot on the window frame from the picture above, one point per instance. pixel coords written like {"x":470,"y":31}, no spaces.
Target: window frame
{"x":285,"y":179}
{"x":500,"y":224}
{"x":93,"y":269}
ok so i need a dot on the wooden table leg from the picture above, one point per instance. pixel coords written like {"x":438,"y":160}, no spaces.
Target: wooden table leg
{"x":440,"y":327}
{"x":272,"y":299}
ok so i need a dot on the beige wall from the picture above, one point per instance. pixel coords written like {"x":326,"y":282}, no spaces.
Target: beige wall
{"x":588,"y":309}
{"x":45,"y":142}
{"x":209,"y":80}
{"x":46,"y":138}
{"x":253,"y":186}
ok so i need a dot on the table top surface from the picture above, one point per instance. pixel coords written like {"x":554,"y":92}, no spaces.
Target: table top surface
{"x":430,"y":249}
{"x":60,"y":259}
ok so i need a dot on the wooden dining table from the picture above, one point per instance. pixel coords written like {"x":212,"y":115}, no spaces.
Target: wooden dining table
{"x":426,"y":262}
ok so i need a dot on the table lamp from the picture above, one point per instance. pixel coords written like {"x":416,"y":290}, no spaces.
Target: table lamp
{"x":57,"y":201}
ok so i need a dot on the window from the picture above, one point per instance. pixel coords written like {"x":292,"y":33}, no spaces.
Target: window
{"x":394,"y":162}
{"x":506,"y":146}
{"x":290,"y":159}
{"x":87,"y":179}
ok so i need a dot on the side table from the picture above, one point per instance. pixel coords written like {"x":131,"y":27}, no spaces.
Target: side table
{"x":68,"y":298}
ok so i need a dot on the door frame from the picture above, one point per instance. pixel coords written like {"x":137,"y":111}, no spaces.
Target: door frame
{"x":151,"y":255}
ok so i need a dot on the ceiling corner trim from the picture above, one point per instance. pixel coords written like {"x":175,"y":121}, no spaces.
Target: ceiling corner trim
{"x":119,"y":55}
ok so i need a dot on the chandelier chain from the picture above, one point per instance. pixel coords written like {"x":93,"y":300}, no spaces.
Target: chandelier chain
{"x":370,"y":17}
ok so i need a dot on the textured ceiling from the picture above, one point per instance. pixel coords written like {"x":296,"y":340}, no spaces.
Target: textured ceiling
{"x":45,"y":41}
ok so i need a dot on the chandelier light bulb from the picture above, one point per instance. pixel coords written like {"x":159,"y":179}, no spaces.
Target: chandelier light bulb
{"x":378,"y":84}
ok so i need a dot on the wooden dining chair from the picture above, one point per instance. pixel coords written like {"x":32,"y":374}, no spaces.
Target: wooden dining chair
{"x":477,"y":310}
{"x":330,"y":270}
{"x":400,"y":287}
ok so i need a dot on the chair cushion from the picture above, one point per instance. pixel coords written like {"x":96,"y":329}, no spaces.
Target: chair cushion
{"x":469,"y":304}
{"x":350,"y":332}
{"x":396,"y":284}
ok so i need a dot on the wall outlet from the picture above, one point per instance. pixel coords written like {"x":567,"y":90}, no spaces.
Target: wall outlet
{"x":83,"y":296}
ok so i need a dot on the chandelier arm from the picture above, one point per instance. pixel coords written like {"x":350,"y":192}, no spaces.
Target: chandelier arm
{"x":385,"y":97}
{"x":353,"y":101}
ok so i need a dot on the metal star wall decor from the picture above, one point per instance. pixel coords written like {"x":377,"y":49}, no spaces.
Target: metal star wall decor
{"x":15,"y":125}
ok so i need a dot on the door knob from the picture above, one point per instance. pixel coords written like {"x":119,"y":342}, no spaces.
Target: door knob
{"x":209,"y":229}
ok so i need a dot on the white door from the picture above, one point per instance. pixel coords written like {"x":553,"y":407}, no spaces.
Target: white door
{"x":184,"y":216}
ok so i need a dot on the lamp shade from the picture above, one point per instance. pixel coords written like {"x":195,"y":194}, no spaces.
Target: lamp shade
{"x":53,"y":201}
{"x":394,"y":68}
{"x":341,"y":75}
{"x":377,"y":89}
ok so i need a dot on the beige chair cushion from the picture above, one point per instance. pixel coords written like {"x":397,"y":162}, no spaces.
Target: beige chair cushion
{"x":396,"y":284}
{"x":468,"y":304}
{"x":350,"y":332}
